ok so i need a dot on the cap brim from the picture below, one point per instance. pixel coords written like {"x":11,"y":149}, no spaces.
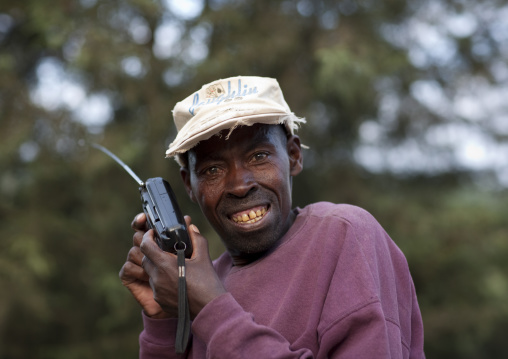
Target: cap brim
{"x":182,"y":145}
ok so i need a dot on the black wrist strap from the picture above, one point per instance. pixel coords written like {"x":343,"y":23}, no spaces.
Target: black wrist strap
{"x":183,"y":326}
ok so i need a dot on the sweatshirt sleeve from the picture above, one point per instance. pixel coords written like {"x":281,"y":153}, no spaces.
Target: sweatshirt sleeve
{"x":230,"y":332}
{"x":362,"y":333}
{"x":157,"y":340}
{"x":379,"y":315}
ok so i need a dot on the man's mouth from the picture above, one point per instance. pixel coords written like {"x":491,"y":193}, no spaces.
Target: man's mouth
{"x":249,"y":216}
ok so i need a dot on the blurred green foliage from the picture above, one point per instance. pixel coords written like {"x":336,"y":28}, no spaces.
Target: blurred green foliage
{"x":65,"y":209}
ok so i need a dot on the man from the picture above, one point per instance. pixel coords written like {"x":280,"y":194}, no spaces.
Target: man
{"x":324,"y":281}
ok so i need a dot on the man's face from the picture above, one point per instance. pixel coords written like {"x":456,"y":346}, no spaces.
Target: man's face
{"x":243,"y":185}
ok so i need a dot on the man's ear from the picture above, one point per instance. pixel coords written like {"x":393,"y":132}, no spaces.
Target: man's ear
{"x":295,"y":155}
{"x":185,"y":174}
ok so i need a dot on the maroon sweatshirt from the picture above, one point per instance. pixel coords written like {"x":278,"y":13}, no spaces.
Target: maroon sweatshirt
{"x":337,"y":287}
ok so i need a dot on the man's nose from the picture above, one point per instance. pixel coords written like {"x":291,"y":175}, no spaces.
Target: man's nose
{"x":240,"y":181}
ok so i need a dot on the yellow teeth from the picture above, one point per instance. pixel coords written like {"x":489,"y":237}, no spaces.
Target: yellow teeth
{"x":251,"y":217}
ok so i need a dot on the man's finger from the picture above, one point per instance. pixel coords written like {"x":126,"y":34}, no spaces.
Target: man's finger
{"x":151,"y":250}
{"x":135,"y":256}
{"x":146,"y":264}
{"x":199,"y":243}
{"x":131,"y":272}
{"x":137,"y":238}
{"x":139,"y":222}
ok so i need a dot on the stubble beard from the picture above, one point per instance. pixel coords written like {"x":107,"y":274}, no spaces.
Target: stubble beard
{"x":257,"y":241}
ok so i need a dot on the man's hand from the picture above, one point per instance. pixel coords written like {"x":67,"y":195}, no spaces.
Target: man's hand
{"x":203,"y":284}
{"x":135,"y":278}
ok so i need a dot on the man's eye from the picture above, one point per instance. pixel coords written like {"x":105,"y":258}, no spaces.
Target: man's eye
{"x":212,"y":170}
{"x":259,"y":156}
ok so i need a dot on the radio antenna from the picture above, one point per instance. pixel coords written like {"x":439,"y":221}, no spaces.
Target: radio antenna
{"x":120,"y":162}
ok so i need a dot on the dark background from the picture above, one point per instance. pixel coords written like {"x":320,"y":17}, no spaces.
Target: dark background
{"x":396,"y":93}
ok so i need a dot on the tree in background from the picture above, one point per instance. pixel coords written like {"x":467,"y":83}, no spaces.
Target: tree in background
{"x":406,"y":118}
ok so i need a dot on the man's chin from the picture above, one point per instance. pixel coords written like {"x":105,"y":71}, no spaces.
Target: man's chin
{"x":251,"y":241}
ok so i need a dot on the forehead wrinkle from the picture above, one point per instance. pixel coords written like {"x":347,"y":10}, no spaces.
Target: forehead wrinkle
{"x":243,"y":139}
{"x":267,"y":135}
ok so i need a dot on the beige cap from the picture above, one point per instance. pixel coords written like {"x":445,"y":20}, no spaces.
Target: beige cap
{"x":226,"y":104}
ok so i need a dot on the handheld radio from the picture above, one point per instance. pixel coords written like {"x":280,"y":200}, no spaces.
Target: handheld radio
{"x":161,"y":210}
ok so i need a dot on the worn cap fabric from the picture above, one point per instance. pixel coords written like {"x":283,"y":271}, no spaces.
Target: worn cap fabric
{"x":226,"y":104}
